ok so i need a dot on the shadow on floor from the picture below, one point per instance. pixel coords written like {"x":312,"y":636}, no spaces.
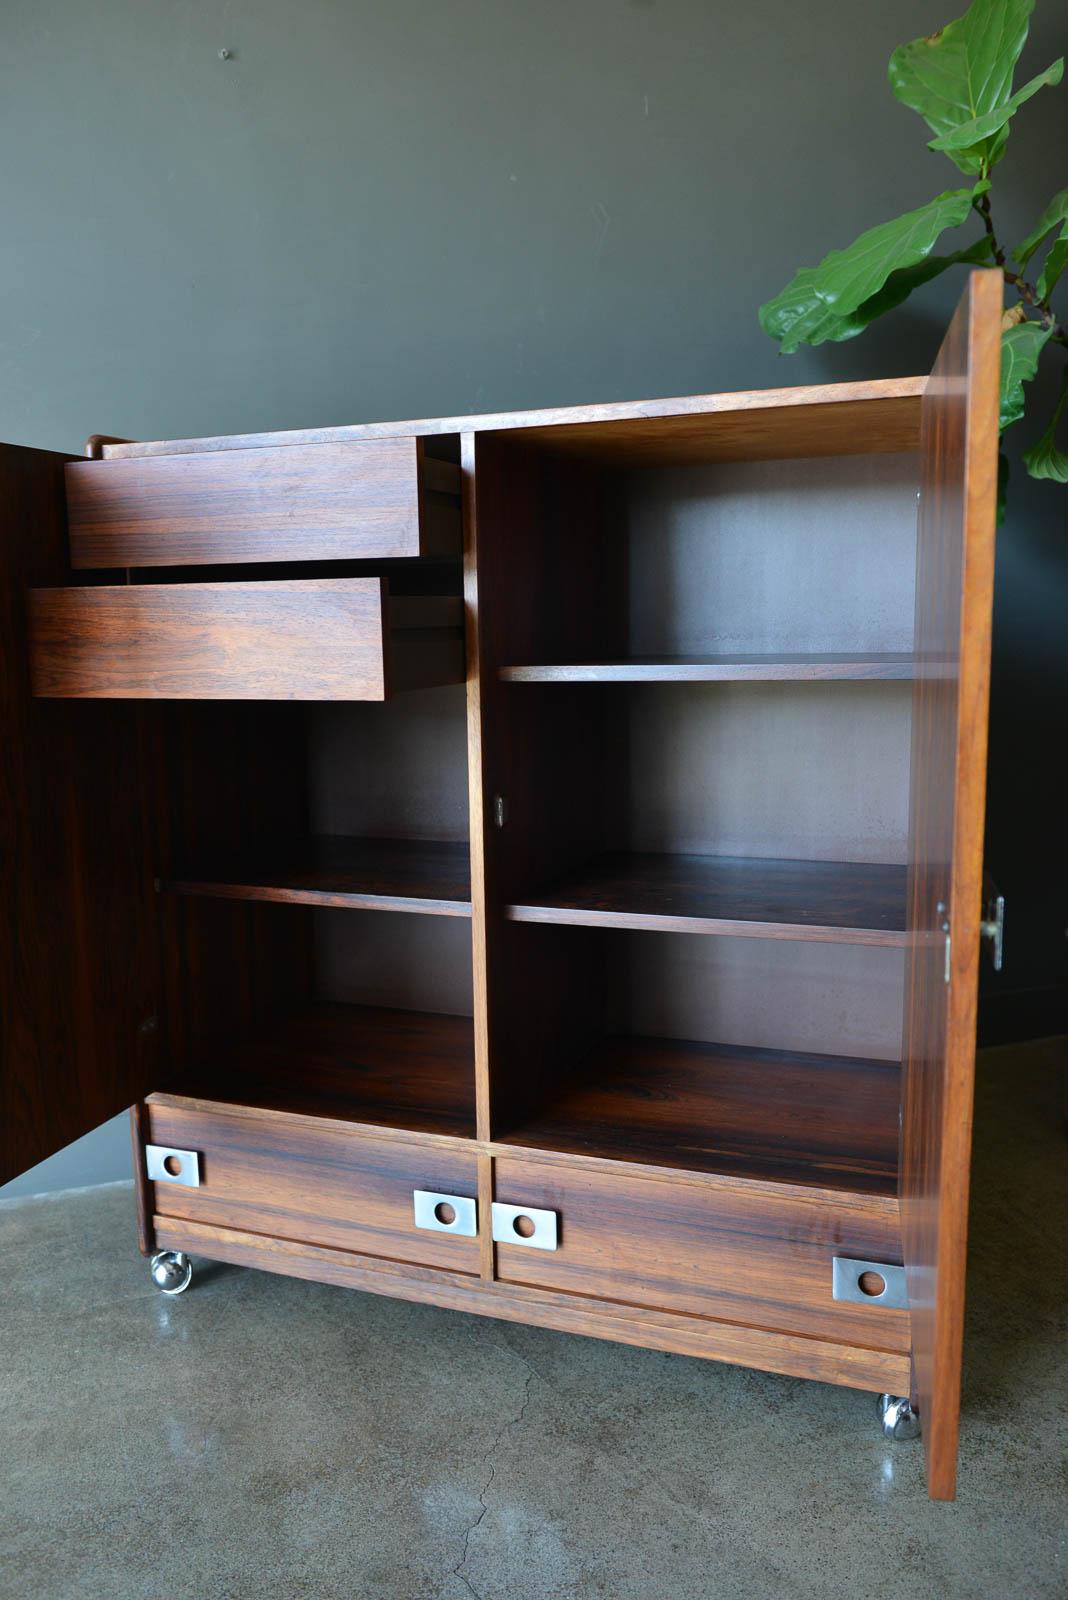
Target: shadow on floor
{"x":261,"y":1437}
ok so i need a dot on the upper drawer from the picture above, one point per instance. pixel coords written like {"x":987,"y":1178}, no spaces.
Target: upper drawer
{"x":373,"y":500}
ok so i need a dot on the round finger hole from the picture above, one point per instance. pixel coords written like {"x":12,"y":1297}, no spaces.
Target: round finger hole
{"x":445,"y":1213}
{"x":524,"y":1226}
{"x":172,"y":1165}
{"x":871,"y":1283}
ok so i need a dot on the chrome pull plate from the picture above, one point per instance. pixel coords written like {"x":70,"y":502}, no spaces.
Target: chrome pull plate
{"x":524,"y":1225}
{"x":992,"y":927}
{"x":869,"y":1283}
{"x":164,"y":1164}
{"x":446,"y":1213}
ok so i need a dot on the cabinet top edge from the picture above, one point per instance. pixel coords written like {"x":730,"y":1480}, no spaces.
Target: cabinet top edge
{"x":903,"y":395}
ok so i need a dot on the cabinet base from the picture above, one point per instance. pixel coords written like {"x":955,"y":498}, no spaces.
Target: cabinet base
{"x":792,"y":1355}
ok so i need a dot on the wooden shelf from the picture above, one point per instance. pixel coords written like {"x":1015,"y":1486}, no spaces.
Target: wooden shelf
{"x":822,"y":1121}
{"x":841,"y":902}
{"x":360,"y":1064}
{"x":421,"y":875}
{"x":847,"y":666}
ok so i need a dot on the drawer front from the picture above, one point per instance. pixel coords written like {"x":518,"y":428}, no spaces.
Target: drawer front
{"x":375,"y":500}
{"x":300,"y":640}
{"x":314,"y":1183}
{"x":719,"y":1250}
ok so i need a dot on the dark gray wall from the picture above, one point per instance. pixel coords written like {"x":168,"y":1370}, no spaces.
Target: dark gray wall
{"x":411,"y":209}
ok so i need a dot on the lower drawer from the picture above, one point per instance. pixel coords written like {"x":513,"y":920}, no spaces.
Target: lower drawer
{"x":735,"y":1251}
{"x":293,"y":639}
{"x":313,"y":1182}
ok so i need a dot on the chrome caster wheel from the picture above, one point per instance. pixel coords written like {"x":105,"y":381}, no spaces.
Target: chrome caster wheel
{"x":172,"y":1271}
{"x":898,"y":1418}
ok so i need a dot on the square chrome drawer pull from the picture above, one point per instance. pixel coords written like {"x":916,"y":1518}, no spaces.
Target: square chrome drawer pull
{"x":446,"y":1213}
{"x":869,"y":1283}
{"x":165,"y":1165}
{"x":524,"y":1225}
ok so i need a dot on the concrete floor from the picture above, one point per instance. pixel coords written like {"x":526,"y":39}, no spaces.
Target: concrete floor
{"x":260,"y":1437}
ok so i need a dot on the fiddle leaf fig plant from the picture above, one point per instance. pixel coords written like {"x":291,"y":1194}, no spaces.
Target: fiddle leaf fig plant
{"x":960,"y":81}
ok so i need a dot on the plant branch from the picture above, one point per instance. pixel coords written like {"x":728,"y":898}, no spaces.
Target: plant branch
{"x":1027,"y":291}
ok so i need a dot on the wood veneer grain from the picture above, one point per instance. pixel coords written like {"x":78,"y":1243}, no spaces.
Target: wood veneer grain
{"x":828,"y":1361}
{"x":824,"y":1121}
{"x":325,"y":502}
{"x":368,"y":1065}
{"x":410,"y":875}
{"x":954,"y":592}
{"x":79,"y":992}
{"x":843,"y":902}
{"x":841,"y":666}
{"x":753,"y":424}
{"x":314,"y":1184}
{"x":296,"y":639}
{"x":722,"y":1251}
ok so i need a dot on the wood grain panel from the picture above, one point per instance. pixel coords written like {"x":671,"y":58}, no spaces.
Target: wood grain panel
{"x":830,"y":666}
{"x":79,"y":993}
{"x":752,"y":424}
{"x":416,"y":875}
{"x":829,"y":1122}
{"x":345,"y":1063}
{"x":845,"y":902}
{"x":296,"y":640}
{"x":955,"y":566}
{"x":853,"y":1366}
{"x":314,"y":1183}
{"x":323,"y":502}
{"x":730,"y":1250}
{"x":534,"y":518}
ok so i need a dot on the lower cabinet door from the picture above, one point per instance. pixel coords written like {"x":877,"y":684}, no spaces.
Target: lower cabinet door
{"x":314,"y":1183}
{"x":735,"y":1251}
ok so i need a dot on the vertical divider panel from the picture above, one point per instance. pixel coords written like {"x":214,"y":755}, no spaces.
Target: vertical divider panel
{"x":477,"y":692}
{"x":547,"y":583}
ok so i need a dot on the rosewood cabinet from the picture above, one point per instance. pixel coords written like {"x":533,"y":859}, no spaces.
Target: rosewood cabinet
{"x":526,"y":863}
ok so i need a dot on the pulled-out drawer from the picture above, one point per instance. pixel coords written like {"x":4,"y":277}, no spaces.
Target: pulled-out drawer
{"x":304,"y":639}
{"x":375,"y":499}
{"x":736,"y":1251}
{"x":313,"y":1182}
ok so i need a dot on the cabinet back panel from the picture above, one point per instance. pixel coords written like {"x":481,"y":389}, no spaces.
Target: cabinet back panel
{"x":772,"y":556}
{"x":799,"y":771}
{"x":401,"y":774}
{"x":415,"y":963}
{"x":827,"y":999}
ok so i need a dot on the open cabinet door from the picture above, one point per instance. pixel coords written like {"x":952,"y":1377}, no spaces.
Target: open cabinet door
{"x":78,"y":926}
{"x":954,"y":591}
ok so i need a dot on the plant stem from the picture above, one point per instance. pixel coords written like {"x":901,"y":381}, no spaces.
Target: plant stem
{"x":1027,"y":291}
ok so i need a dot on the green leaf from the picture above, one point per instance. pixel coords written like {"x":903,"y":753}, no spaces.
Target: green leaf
{"x":1054,"y":214}
{"x":971,"y":134}
{"x":1044,"y":459}
{"x":900,"y":284}
{"x":1056,"y":262}
{"x":963,"y":73}
{"x":820,"y":302}
{"x":1003,"y":487}
{"x":1021,"y":347}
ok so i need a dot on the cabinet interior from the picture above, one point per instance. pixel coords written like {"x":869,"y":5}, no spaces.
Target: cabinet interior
{"x":696,"y":727}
